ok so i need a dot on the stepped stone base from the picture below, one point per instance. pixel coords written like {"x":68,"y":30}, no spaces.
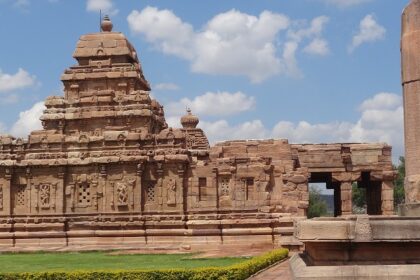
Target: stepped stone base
{"x":170,"y":232}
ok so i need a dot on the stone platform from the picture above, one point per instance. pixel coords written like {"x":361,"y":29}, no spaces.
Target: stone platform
{"x":358,"y":247}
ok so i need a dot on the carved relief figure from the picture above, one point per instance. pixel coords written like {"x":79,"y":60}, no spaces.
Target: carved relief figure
{"x":45,"y":195}
{"x":122,"y":194}
{"x":171,"y":191}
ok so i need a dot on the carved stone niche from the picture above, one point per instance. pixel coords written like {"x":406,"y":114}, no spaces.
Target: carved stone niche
{"x":124,"y":192}
{"x":83,"y":191}
{"x":170,"y":187}
{"x":45,"y":195}
{"x":224,"y":186}
{"x":149,"y":191}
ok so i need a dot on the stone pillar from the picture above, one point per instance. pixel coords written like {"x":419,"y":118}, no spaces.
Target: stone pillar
{"x":138,"y":193}
{"x":346,"y":202}
{"x":215,"y":185}
{"x":33,"y":198}
{"x":60,"y":192}
{"x":159,"y":193}
{"x":102,"y":187}
{"x":387,"y":197}
{"x":181,"y":190}
{"x":7,"y":192}
{"x":410,"y":61}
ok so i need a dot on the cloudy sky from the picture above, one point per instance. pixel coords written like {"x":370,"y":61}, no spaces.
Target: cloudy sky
{"x":308,"y":70}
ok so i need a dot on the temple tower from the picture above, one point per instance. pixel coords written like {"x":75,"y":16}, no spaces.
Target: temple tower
{"x":410,"y":58}
{"x":105,"y":91}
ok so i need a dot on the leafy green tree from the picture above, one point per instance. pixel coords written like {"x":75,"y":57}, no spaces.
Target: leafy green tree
{"x":399,"y":194}
{"x":317,"y":206}
{"x":358,"y":196}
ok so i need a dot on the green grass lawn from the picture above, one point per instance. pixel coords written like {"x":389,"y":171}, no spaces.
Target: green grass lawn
{"x":44,"y":262}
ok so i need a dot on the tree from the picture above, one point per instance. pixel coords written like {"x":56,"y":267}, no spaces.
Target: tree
{"x":317,"y":206}
{"x":358,"y":199}
{"x":358,"y":196}
{"x":399,"y":194}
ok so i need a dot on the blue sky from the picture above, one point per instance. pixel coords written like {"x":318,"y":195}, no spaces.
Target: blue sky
{"x":306,"y":70}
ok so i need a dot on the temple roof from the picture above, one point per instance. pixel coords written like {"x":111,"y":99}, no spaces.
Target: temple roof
{"x":104,"y":44}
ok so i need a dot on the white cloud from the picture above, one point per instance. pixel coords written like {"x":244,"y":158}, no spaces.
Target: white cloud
{"x":304,"y":132}
{"x":315,"y":29}
{"x":28,"y":121}
{"x":299,"y":33}
{"x":221,"y":130}
{"x":317,"y":47}
{"x":213,"y":104}
{"x":231,"y":43}
{"x":236,"y":43}
{"x":381,"y":120}
{"x":164,"y":29}
{"x":166,"y":86}
{"x":106,"y":6}
{"x":345,"y":3}
{"x":20,"y":80}
{"x":383,"y":100}
{"x":290,"y":61}
{"x":369,"y":31}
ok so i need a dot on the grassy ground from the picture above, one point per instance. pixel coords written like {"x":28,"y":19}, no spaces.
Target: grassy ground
{"x":43,"y":262}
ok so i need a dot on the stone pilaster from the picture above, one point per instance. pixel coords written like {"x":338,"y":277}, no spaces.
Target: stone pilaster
{"x":387,"y":197}
{"x":102,"y":187}
{"x":215,"y":185}
{"x":346,"y":195}
{"x":7,"y":192}
{"x":32,"y":192}
{"x":60,"y":192}
{"x":138,"y":193}
{"x":181,"y":189}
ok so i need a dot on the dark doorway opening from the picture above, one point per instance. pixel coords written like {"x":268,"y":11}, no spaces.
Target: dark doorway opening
{"x":328,"y":191}
{"x":373,"y":194}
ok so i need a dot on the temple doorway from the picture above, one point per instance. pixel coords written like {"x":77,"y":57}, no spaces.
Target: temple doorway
{"x":323,"y":196}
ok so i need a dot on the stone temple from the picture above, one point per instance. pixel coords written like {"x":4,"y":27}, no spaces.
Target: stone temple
{"x":106,"y":171}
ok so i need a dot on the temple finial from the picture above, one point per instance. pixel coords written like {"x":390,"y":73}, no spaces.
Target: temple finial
{"x":106,"y":24}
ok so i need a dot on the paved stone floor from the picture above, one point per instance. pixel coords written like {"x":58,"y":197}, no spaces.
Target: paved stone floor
{"x":277,"y":272}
